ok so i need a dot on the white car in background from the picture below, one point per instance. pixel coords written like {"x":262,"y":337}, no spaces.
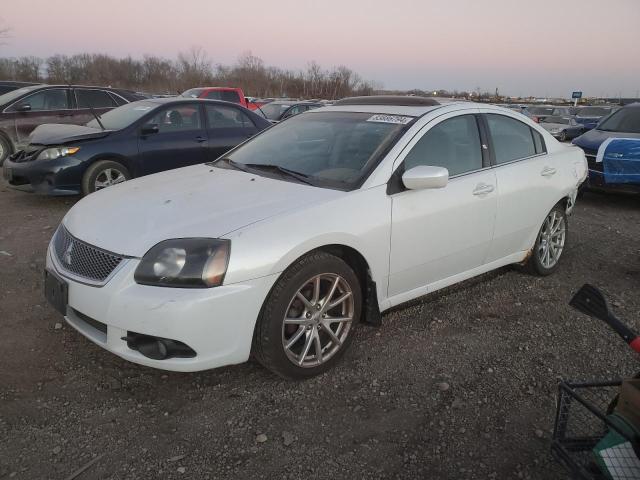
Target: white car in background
{"x":286,"y":244}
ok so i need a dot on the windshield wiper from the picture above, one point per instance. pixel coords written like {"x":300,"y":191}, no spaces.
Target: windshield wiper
{"x":97,"y":117}
{"x":228,"y":161}
{"x":301,"y":177}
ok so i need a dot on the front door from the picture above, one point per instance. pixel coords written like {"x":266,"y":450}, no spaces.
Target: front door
{"x":179,"y":140}
{"x":51,"y":105}
{"x":439,"y":233}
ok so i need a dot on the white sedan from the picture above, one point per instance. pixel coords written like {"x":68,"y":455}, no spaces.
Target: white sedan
{"x":282,"y":247}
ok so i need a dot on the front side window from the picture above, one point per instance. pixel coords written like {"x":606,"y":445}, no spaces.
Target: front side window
{"x":226,"y":117}
{"x":331,"y":149}
{"x":177,"y":119}
{"x":50,"y":99}
{"x":453,"y":144}
{"x":93,"y":99}
{"x":512,"y":139}
{"x":123,"y":116}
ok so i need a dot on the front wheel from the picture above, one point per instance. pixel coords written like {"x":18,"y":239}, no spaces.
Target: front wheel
{"x":563,"y":136}
{"x":103,"y":174}
{"x":309,"y":318}
{"x":551,"y":242}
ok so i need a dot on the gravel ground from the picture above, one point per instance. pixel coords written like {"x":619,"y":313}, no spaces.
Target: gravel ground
{"x":461,"y":384}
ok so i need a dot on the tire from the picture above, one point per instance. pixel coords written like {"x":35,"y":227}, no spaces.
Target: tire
{"x":106,"y":172}
{"x":539,"y":262}
{"x":306,"y":329}
{"x":5,"y":149}
{"x":563,"y":136}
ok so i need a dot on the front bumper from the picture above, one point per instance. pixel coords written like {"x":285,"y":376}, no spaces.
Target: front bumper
{"x":48,"y":177}
{"x":217,"y":323}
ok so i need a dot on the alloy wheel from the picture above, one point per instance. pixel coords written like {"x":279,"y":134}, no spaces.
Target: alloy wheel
{"x":551,"y":239}
{"x":318,"y":320}
{"x":108,"y":177}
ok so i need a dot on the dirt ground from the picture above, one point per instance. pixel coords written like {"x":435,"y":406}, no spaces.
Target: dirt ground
{"x":461,"y":384}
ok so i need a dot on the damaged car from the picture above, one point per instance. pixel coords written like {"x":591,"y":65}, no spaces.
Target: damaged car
{"x":282,"y":247}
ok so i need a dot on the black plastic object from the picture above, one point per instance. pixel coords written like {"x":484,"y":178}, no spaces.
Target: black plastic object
{"x":158,"y":348}
{"x":590,"y":301}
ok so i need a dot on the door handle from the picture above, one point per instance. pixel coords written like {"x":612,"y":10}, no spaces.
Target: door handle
{"x":200,"y":139}
{"x":548,"y":171}
{"x":483,"y":189}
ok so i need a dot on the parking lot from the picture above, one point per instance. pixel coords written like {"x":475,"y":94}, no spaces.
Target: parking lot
{"x":460,"y":384}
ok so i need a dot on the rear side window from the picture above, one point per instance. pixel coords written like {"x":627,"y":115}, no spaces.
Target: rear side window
{"x":177,"y":119}
{"x":94,"y":99}
{"x":227,"y":117}
{"x":512,"y":139}
{"x":453,"y":144}
{"x":226,"y":95}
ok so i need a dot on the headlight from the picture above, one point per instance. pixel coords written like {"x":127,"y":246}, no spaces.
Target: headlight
{"x":185,"y":263}
{"x":57,"y":152}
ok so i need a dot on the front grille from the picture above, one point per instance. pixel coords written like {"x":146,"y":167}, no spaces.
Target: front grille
{"x":82,"y":259}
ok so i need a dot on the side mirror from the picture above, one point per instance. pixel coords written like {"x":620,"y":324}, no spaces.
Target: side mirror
{"x":25,"y":107}
{"x":423,"y":176}
{"x":149,"y":129}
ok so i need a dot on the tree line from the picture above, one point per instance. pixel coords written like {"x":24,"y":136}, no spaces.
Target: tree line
{"x":190,"y":69}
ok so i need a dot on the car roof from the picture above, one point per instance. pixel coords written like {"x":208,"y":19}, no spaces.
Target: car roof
{"x":170,"y":100}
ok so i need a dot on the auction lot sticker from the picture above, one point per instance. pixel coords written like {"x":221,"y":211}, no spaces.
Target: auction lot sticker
{"x":380,"y":118}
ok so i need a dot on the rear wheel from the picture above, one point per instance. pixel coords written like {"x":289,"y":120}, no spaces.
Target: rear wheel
{"x":309,"y":317}
{"x":563,"y":136}
{"x":103,"y":174}
{"x":550,"y":243}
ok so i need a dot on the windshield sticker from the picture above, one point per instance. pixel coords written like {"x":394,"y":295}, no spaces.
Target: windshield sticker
{"x":390,"y":119}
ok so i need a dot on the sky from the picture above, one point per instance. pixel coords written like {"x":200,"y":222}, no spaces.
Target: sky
{"x":545,"y":48}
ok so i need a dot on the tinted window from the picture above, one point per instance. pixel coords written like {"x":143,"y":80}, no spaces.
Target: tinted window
{"x":273,"y":111}
{"x":538,"y":142}
{"x":177,"y":119}
{"x":94,"y":99}
{"x":227,"y":117}
{"x":624,"y":120}
{"x":335,"y":149}
{"x":51,"y":99}
{"x":118,"y":99}
{"x":226,"y":95}
{"x":453,"y":144}
{"x":512,"y":139}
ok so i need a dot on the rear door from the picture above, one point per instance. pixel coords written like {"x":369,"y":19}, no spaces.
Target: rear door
{"x":226,"y":127}
{"x":180,"y":139}
{"x":527,"y":180}
{"x":52,"y":105}
{"x":88,"y":98}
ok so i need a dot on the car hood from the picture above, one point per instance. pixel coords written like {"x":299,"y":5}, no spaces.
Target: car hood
{"x":196,"y":201}
{"x":60,"y":133}
{"x":593,"y":138}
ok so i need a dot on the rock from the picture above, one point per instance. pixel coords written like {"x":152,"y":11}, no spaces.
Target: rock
{"x":181,"y":469}
{"x":443,"y":386}
{"x":261,"y":438}
{"x":539,"y":433}
{"x":357,"y":408}
{"x":57,"y":326}
{"x":176,"y":458}
{"x":288,"y":438}
{"x":56,"y":450}
{"x":6,"y":254}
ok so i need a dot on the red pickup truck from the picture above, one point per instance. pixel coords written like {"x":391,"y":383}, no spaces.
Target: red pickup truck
{"x":228,"y":94}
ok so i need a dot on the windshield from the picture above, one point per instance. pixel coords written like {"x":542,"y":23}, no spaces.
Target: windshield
{"x":273,"y":110}
{"x":192,"y":93}
{"x":593,"y":112}
{"x":562,"y":120}
{"x":624,"y":120}
{"x":333,"y":149}
{"x":123,"y":116}
{"x":14,"y":94}
{"x":540,"y":110}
